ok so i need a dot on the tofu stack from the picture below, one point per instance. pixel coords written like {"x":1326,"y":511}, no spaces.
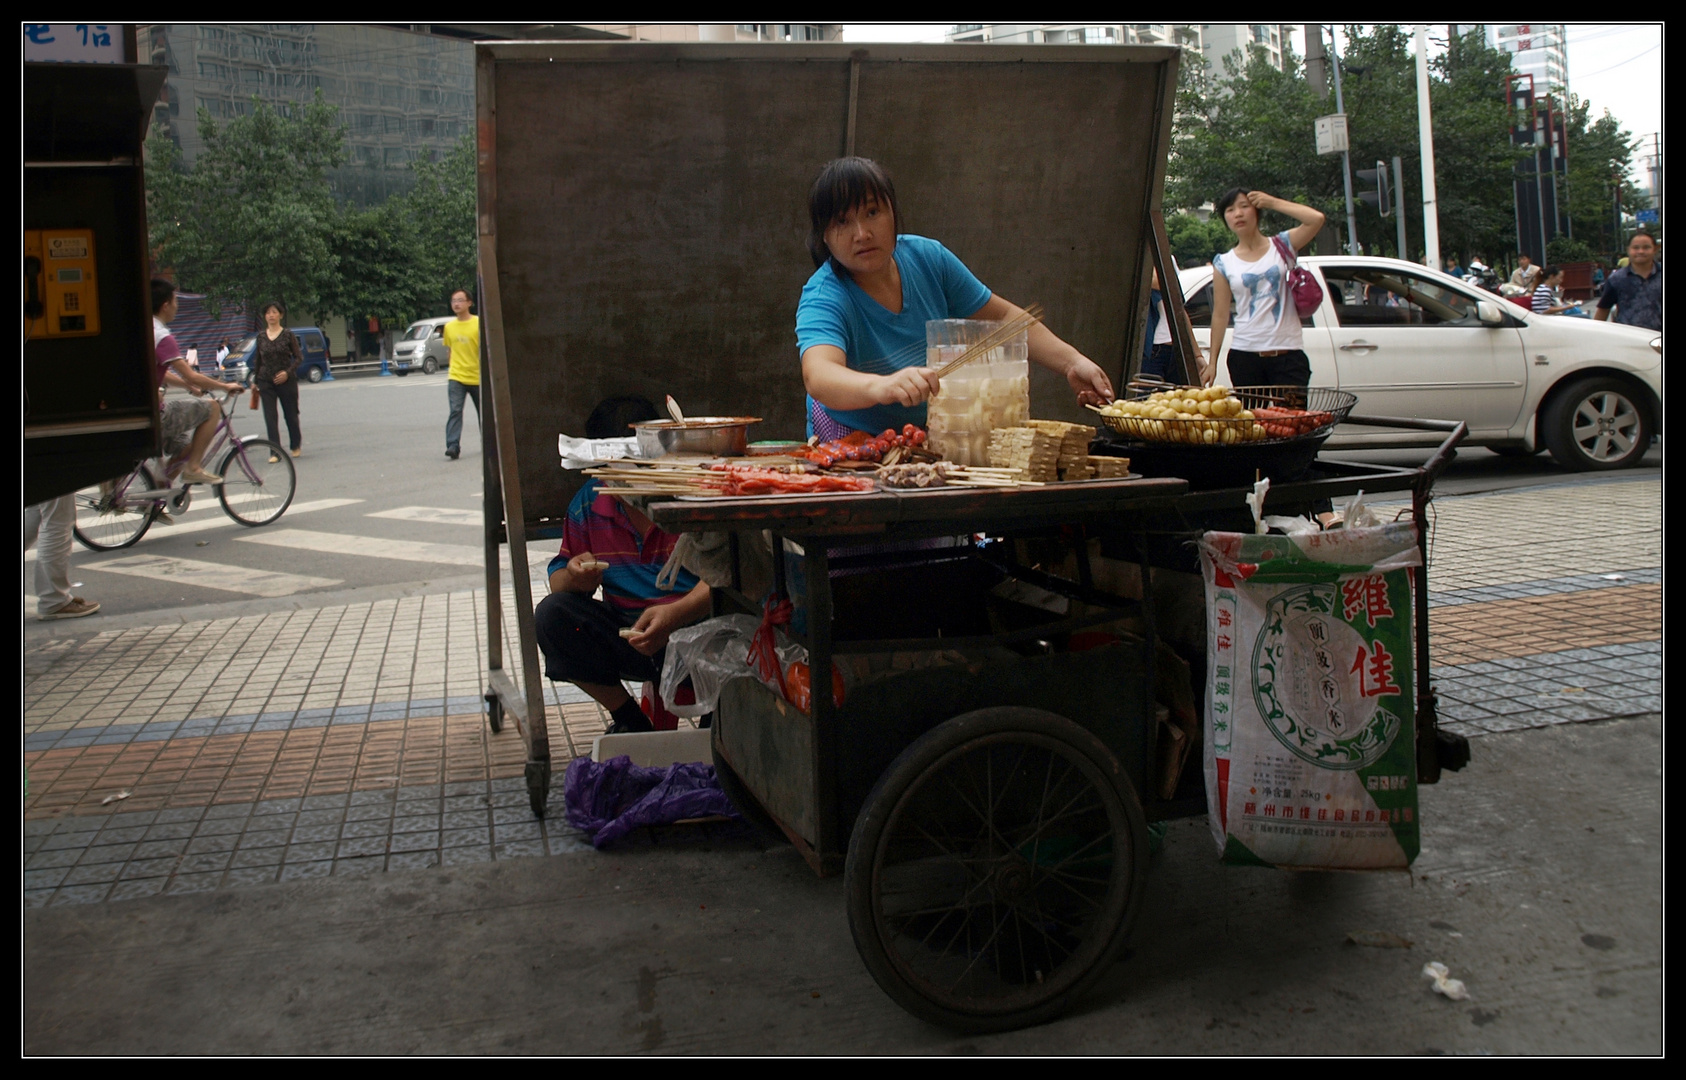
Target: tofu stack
{"x":1110,"y":468}
{"x":1033,"y":454}
{"x":1073,"y":460}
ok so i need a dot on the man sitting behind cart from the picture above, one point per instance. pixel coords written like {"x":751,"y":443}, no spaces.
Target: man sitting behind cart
{"x":581,"y":637}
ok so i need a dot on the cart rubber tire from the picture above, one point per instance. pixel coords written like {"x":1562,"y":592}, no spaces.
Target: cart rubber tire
{"x":748,"y":806}
{"x":494,"y":713}
{"x":960,"y":821}
{"x":1597,"y":424}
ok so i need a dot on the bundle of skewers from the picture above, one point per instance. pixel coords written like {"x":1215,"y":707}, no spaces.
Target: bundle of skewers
{"x":716,"y":480}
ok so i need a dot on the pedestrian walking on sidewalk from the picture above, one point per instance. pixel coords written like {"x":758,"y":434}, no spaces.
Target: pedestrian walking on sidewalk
{"x":275,"y":368}
{"x":51,"y":522}
{"x":1635,"y":292}
{"x":462,"y":336}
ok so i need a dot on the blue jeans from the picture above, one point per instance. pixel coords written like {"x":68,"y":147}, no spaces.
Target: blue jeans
{"x":453,"y":422}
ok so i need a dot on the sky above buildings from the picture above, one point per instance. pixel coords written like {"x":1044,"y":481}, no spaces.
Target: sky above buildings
{"x":1614,"y":66}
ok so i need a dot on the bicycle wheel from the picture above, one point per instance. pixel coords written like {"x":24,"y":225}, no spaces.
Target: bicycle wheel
{"x":255,"y":490}
{"x":995,"y":870}
{"x":106,"y":520}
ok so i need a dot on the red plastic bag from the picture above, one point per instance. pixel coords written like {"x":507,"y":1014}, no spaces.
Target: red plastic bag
{"x":799,"y":685}
{"x":763,"y":647}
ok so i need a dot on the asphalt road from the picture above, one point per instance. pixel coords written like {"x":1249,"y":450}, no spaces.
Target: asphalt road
{"x":380,"y":511}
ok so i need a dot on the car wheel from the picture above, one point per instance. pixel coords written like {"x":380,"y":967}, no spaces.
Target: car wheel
{"x":1597,"y":424}
{"x":315,"y":375}
{"x":401,"y":372}
{"x":430,"y":366}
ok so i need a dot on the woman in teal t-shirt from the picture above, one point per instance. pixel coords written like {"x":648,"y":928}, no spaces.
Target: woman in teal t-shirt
{"x":860,"y":325}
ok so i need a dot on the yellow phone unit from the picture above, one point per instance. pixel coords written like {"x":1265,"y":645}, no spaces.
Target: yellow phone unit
{"x":61,"y":293}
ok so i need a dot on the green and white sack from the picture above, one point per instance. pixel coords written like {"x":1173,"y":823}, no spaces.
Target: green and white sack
{"x":1310,"y":703}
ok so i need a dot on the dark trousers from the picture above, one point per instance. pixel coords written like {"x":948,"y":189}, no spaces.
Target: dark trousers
{"x":1161,"y":361}
{"x":1285,"y":369}
{"x":287,"y":394}
{"x":581,"y":642}
{"x":453,"y":421}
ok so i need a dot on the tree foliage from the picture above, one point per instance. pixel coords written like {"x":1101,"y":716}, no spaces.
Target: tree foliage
{"x":1194,"y":242}
{"x":255,"y":219}
{"x":1253,"y":128}
{"x":1600,"y":177}
{"x":442,"y":206}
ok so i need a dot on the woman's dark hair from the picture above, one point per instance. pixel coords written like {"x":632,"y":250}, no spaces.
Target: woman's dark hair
{"x":840,"y":187}
{"x":161,"y":292}
{"x":280,"y":309}
{"x":1226,"y":200}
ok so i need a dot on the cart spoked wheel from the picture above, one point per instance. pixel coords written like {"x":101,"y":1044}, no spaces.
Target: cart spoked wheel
{"x":748,"y":807}
{"x":995,"y":870}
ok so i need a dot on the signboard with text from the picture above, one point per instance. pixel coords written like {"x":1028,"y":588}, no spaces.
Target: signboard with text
{"x":77,"y":43}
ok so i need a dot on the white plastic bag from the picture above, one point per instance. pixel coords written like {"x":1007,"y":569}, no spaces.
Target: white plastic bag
{"x":711,"y":653}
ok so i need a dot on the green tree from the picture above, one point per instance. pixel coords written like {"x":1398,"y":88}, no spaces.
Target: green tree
{"x":255,"y":219}
{"x":442,"y":206}
{"x":379,"y":255}
{"x":1194,"y":242}
{"x":1600,"y":176}
{"x":1256,"y":130}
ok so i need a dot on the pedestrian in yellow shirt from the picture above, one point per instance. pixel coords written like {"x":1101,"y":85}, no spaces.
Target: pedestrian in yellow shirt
{"x":462,"y":335}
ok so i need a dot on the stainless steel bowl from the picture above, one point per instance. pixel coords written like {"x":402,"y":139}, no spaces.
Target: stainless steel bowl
{"x":714,"y":436}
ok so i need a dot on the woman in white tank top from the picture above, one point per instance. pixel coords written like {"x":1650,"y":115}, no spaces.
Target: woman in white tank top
{"x":1266,"y":348}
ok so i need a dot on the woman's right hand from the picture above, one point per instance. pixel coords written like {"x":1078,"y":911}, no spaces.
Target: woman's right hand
{"x":909,"y":386}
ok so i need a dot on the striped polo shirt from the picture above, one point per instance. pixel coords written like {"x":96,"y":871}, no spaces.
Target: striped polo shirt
{"x":598,"y":523}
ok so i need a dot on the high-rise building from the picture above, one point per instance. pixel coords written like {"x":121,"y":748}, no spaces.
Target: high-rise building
{"x":1213,"y":41}
{"x":1537,"y":49}
{"x":1219,"y":40}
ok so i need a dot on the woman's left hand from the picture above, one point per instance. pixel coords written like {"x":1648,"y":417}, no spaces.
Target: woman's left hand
{"x":280,"y":377}
{"x":1090,"y":382}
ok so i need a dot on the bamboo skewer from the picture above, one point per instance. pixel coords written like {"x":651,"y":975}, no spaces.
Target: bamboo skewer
{"x":1008,"y":330}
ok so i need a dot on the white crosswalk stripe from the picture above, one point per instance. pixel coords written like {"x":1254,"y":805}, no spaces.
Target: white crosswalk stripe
{"x":210,"y":575}
{"x":440,"y":515}
{"x":160,"y":531}
{"x":370,"y":546}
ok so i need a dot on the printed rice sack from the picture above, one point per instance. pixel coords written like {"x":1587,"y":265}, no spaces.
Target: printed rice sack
{"x":1310,"y":703}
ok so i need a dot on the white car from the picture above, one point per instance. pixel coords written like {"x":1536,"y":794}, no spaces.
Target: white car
{"x":1413,"y":342}
{"x":422,"y":347}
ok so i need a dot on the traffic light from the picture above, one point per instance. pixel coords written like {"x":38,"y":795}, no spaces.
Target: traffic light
{"x":1379,"y":196}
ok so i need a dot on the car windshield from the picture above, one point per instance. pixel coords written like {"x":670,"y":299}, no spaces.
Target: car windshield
{"x":245,"y":346}
{"x":418,"y":332}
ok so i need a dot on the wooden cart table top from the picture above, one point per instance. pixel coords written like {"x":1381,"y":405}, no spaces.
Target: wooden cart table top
{"x":927,"y":512}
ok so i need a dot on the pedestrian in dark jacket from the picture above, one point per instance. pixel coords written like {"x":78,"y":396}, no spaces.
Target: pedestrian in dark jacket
{"x":275,"y":368}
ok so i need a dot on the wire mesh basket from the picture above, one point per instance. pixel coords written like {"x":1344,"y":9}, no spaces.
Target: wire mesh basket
{"x":1188,"y":416}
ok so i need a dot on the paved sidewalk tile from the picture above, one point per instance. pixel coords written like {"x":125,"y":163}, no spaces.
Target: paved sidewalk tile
{"x":356,"y":758}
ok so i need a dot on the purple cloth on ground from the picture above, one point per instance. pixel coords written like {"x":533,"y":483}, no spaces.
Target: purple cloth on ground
{"x":608,"y":799}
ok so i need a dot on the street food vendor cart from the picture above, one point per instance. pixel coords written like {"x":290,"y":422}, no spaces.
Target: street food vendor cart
{"x":990,"y":813}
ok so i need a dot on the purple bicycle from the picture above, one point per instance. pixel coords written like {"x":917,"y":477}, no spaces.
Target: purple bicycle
{"x":257,"y":486}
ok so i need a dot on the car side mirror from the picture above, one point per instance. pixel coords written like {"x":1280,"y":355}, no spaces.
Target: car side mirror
{"x":1489,"y":313}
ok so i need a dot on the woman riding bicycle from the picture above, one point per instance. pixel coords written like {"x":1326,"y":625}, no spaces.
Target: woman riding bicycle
{"x":187,"y":423}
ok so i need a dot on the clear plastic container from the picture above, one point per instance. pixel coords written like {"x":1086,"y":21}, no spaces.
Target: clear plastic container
{"x":990,"y":392}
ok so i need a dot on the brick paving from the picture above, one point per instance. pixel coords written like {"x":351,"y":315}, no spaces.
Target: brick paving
{"x":351,"y":739}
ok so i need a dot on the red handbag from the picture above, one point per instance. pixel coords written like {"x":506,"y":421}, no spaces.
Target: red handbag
{"x":1308,"y":294}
